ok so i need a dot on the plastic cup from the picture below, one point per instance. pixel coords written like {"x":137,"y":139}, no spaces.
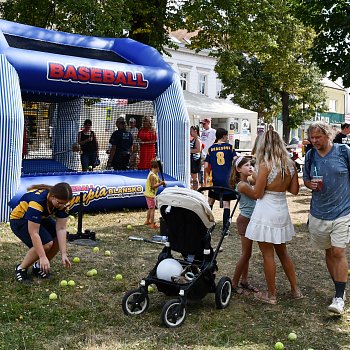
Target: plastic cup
{"x":319,"y":180}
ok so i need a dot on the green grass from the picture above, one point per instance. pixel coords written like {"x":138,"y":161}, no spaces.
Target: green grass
{"x":89,"y":315}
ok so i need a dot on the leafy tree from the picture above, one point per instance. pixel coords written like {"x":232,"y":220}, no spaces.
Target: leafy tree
{"x":331,"y":22}
{"x":144,"y":21}
{"x":267,"y":33}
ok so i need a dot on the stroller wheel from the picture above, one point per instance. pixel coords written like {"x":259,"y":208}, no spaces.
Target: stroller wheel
{"x":173,"y":315}
{"x":223,"y":293}
{"x":134,"y":302}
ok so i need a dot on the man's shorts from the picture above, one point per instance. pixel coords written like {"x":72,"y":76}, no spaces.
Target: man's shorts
{"x":151,"y":202}
{"x":329,"y":233}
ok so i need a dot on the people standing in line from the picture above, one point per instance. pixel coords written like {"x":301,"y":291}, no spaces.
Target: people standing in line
{"x":270,"y":224}
{"x":207,"y":138}
{"x":121,"y":141}
{"x":345,"y":131}
{"x":242,"y":181}
{"x":147,"y":137}
{"x":219,"y":157}
{"x":152,"y":184}
{"x":195,"y":149}
{"x":135,"y":149}
{"x":89,"y":147}
{"x":31,"y":221}
{"x":326,"y":173}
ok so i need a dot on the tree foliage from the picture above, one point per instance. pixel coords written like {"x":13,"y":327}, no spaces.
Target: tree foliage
{"x":276,"y":53}
{"x":144,"y":21}
{"x":331,"y":22}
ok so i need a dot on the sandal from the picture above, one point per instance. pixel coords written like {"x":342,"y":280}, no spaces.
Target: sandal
{"x":249,"y":287}
{"x":297,"y":295}
{"x":264,"y":297}
{"x":237,"y":290}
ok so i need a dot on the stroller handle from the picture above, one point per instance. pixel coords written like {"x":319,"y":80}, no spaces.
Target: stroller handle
{"x":221,"y":191}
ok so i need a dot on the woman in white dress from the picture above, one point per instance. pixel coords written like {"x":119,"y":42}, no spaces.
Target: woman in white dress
{"x":270,"y":224}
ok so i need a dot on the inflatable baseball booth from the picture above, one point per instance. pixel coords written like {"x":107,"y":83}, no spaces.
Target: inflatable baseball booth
{"x":62,"y":69}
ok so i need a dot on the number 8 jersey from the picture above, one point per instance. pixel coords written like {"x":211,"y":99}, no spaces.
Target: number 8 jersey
{"x":220,"y":157}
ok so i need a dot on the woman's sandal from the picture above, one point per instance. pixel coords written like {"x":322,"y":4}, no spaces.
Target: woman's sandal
{"x":237,"y":290}
{"x":298,"y":295}
{"x":264,"y":297}
{"x":247,"y":286}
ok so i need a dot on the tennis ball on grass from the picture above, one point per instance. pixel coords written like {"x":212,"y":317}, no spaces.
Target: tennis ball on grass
{"x":71,"y":283}
{"x":118,"y":277}
{"x":63,"y":283}
{"x":150,"y":289}
{"x":95,"y":249}
{"x":76,"y":259}
{"x":107,"y":253}
{"x":129,"y":227}
{"x":90,"y":273}
{"x":94,"y":272}
{"x":53,"y":296}
{"x":279,"y":346}
{"x":292,"y":336}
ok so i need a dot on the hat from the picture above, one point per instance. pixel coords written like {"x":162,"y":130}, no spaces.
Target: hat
{"x":205,"y":121}
{"x":132,"y":120}
{"x":121,"y":120}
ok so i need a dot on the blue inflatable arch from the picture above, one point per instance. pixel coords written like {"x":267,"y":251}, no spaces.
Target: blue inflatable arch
{"x":45,"y":65}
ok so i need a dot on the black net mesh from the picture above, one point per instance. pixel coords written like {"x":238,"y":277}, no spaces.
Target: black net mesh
{"x":51,"y":134}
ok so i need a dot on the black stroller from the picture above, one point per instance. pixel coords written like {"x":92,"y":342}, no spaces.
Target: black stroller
{"x":189,"y":225}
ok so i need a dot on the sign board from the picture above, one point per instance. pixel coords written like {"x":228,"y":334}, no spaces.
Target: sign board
{"x":245,"y":124}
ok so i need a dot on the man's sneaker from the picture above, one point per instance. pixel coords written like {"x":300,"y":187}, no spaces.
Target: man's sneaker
{"x":38,"y":273}
{"x":337,"y":306}
{"x":22,"y":276}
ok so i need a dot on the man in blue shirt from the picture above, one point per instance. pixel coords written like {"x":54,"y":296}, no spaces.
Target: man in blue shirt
{"x":326,"y":173}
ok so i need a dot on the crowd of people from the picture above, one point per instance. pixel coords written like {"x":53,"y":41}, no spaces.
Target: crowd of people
{"x":264,"y":216}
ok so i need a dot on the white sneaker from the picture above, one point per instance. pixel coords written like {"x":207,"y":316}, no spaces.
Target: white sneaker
{"x":337,"y":306}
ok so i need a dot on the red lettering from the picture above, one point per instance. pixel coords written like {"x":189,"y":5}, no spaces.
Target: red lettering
{"x":130,"y":79}
{"x":71,"y":73}
{"x":120,"y":79}
{"x":83,"y":73}
{"x":56,"y":71}
{"x":108,"y":76}
{"x":140,"y":81}
{"x":96,"y":75}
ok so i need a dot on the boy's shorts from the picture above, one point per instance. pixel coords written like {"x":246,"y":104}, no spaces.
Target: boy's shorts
{"x":47,"y":231}
{"x":151,"y":202}
{"x":325,"y":234}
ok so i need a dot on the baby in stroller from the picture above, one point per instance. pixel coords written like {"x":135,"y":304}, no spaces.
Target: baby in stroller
{"x":189,"y":225}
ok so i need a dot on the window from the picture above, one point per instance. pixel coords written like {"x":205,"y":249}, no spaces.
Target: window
{"x":202,"y":84}
{"x":332,"y":105}
{"x":218,"y":88}
{"x":184,"y":80}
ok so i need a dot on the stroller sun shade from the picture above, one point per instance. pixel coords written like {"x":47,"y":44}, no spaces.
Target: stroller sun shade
{"x":188,"y":199}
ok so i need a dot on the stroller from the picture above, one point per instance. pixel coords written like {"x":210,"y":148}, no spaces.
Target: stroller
{"x":189,"y":224}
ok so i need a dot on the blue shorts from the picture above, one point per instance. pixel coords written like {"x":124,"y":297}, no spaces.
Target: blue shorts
{"x":47,"y":231}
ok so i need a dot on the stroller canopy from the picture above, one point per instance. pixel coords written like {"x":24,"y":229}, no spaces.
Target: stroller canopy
{"x":188,"y":199}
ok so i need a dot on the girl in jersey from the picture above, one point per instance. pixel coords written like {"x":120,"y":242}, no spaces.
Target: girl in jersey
{"x":32,"y":222}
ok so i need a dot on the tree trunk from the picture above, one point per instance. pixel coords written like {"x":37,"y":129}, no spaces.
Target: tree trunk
{"x":285,"y":116}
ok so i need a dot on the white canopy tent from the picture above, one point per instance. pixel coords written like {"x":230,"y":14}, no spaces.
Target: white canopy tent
{"x":241,"y":123}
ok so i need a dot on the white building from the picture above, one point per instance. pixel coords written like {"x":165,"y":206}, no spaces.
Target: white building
{"x":202,"y":90}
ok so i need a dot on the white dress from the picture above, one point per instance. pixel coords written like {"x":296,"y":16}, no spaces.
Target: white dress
{"x":270,"y":221}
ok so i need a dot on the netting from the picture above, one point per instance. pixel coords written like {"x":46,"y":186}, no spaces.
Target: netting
{"x":50,"y":140}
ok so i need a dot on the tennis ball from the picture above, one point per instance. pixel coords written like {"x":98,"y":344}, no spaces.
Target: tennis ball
{"x":90,"y":273}
{"x":94,"y":272}
{"x":95,"y":249}
{"x":107,"y":253}
{"x":90,"y":167}
{"x":292,"y":336}
{"x":76,"y":259}
{"x":129,"y":227}
{"x":150,"y":289}
{"x":118,"y":277}
{"x":53,"y":296}
{"x":63,"y":283}
{"x":71,"y":283}
{"x":279,"y":346}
